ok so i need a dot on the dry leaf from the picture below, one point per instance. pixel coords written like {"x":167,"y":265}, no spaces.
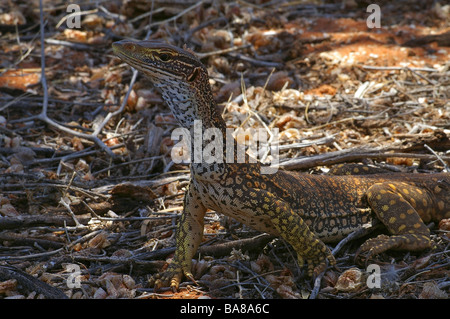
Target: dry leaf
{"x":88,"y":177}
{"x":8,"y":285}
{"x":19,"y":79}
{"x":290,"y":120}
{"x":116,"y":286}
{"x":432,"y":291}
{"x":12,"y":18}
{"x":262,"y":264}
{"x":132,"y":101}
{"x":421,"y":262}
{"x":7,"y":209}
{"x":77,"y":35}
{"x":100,"y":241}
{"x":199,"y":267}
{"x":350,"y":280}
{"x":93,"y":22}
{"x":77,"y":247}
{"x":100,"y":293}
{"x":171,"y":188}
{"x":279,"y":80}
{"x":284,"y":286}
{"x":111,"y":139}
{"x":445,"y":225}
{"x":77,"y":144}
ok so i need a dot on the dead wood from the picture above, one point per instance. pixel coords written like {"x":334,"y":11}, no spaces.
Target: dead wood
{"x":19,"y":239}
{"x":86,"y":170}
{"x":248,"y":244}
{"x":441,"y":39}
{"x":351,"y":155}
{"x":30,"y":283}
{"x":25,"y":221}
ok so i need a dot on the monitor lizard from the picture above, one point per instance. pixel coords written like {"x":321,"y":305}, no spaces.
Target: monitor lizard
{"x":306,"y":210}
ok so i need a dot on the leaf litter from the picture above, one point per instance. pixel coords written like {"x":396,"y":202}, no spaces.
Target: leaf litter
{"x":94,"y":185}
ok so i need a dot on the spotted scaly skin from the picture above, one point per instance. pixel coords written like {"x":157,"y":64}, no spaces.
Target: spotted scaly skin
{"x":306,"y":210}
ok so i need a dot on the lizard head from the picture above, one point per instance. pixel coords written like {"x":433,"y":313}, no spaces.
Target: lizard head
{"x":179,"y":75}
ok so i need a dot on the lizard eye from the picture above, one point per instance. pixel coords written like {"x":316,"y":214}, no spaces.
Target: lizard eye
{"x":165,"y":57}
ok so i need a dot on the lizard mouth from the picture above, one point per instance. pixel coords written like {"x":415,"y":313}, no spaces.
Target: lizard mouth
{"x":135,"y":55}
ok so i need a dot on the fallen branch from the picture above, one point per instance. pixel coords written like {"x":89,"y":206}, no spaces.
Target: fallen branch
{"x":30,"y":283}
{"x":38,"y":220}
{"x":19,"y":239}
{"x":439,"y":158}
{"x":394,"y":68}
{"x":224,"y":249}
{"x":151,"y":258}
{"x":349,"y":155}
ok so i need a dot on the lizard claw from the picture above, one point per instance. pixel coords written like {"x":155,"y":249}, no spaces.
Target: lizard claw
{"x":369,"y":249}
{"x":170,"y":278}
{"x":190,"y":276}
{"x":321,"y":266}
{"x":318,"y":263}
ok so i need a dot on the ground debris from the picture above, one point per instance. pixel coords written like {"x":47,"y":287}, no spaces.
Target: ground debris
{"x":89,"y":187}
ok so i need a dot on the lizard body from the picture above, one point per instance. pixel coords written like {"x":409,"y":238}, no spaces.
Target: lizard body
{"x":306,"y":210}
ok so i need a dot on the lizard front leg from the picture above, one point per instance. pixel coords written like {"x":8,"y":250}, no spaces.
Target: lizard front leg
{"x":291,"y":227}
{"x":188,"y":237}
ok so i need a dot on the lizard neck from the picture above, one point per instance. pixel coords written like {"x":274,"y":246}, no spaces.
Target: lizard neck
{"x":212,"y":145}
